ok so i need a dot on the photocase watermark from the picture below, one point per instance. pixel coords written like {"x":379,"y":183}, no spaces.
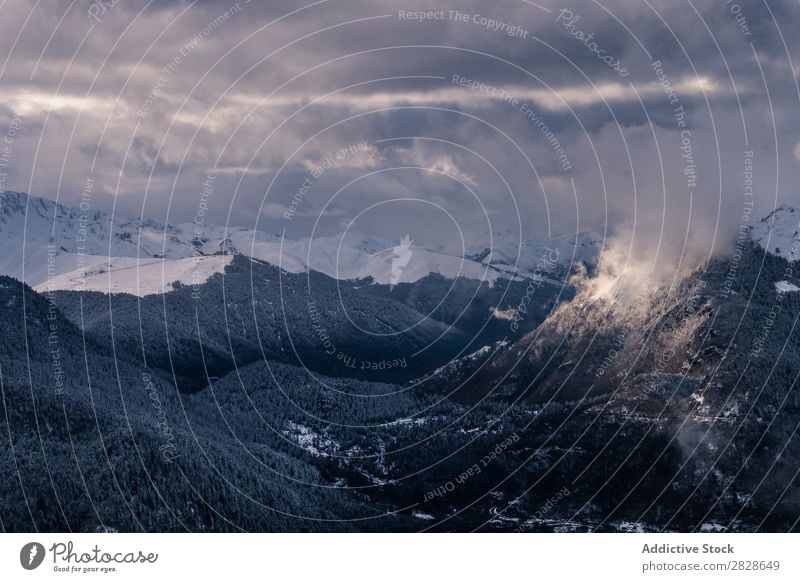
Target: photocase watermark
{"x":568,"y":20}
{"x":32,"y":555}
{"x":524,"y":108}
{"x":100,"y":8}
{"x":472,"y":471}
{"x":67,"y":559}
{"x":169,"y":69}
{"x":544,"y":510}
{"x":168,"y":449}
{"x":402,"y":256}
{"x":329,"y":160}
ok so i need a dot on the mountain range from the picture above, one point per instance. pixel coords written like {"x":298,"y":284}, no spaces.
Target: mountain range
{"x":266,"y":398}
{"x":65,"y":248}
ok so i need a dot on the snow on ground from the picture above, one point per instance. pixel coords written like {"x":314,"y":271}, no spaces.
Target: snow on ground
{"x":57,"y":243}
{"x":425,"y":516}
{"x":779,"y":233}
{"x":419,"y":421}
{"x":712,"y":528}
{"x":786,"y":287}
{"x":318,"y":445}
{"x":358,"y":256}
{"x":631,"y":527}
{"x":540,"y":255}
{"x":138,"y":277}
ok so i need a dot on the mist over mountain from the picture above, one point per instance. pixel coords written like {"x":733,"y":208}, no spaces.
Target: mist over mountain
{"x":638,"y":404}
{"x":359,"y":266}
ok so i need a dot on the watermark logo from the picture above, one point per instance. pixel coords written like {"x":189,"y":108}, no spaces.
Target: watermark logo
{"x":568,"y":20}
{"x":31,"y":555}
{"x":402,"y":256}
{"x":100,"y":8}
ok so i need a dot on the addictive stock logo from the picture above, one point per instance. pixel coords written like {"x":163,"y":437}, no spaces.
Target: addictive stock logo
{"x":31,"y":555}
{"x":402,"y":256}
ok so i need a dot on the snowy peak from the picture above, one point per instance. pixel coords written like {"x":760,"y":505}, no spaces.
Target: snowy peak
{"x":557,"y":255}
{"x":41,"y":222}
{"x":779,"y":232}
{"x":50,"y":246}
{"x":97,"y":250}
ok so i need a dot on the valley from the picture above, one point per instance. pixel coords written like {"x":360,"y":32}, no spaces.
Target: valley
{"x":265,"y":399}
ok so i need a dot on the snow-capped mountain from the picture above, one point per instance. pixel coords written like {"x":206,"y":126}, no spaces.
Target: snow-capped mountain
{"x":53,"y":247}
{"x":546,"y":256}
{"x":779,"y":232}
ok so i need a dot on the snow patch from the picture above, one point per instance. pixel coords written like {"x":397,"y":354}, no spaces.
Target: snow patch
{"x":138,"y":277}
{"x":779,"y":233}
{"x":128,"y":254}
{"x":786,"y":287}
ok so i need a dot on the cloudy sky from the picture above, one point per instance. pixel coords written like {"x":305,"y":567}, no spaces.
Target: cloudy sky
{"x":515,"y":119}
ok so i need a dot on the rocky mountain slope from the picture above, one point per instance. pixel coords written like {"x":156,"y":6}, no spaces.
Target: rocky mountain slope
{"x":640,"y":403}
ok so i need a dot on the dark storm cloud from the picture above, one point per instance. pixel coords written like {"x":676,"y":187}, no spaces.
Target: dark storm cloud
{"x":148,"y":98}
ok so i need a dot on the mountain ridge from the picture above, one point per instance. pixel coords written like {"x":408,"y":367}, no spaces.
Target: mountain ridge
{"x":73,"y":249}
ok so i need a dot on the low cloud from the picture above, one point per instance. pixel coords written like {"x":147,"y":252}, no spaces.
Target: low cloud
{"x":149,"y":100}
